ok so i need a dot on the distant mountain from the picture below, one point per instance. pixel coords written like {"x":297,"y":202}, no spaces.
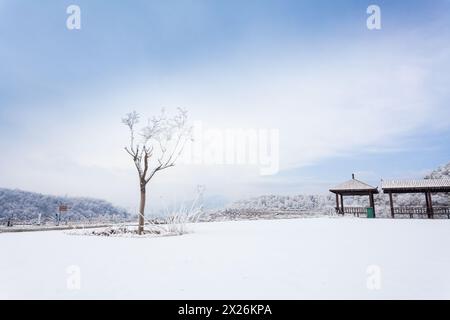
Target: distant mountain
{"x":310,"y":203}
{"x":442,"y":172}
{"x":22,"y":206}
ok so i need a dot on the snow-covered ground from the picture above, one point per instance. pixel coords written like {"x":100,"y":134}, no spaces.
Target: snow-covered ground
{"x":278,"y":259}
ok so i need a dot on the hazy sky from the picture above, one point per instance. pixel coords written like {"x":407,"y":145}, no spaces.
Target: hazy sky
{"x":343,"y":98}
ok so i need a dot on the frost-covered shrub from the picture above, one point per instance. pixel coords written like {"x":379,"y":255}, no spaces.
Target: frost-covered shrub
{"x":174,"y":223}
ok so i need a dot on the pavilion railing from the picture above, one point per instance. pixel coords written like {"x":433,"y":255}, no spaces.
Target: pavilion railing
{"x":422,"y":211}
{"x":356,"y":211}
{"x":442,"y":211}
{"x":408,"y":210}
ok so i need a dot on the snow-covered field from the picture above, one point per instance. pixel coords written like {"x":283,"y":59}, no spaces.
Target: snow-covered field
{"x":278,"y":259}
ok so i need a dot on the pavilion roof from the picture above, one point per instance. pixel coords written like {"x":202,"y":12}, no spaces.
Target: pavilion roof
{"x":354,"y":186}
{"x":422,"y":185}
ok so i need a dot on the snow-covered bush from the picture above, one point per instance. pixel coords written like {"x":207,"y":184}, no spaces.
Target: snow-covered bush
{"x":174,"y":223}
{"x":177,"y":219}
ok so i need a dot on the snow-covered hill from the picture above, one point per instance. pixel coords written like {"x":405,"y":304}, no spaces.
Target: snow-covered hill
{"x":25,"y":207}
{"x":442,"y":172}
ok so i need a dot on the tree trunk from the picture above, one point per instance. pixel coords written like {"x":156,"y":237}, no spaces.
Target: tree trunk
{"x":142,"y":210}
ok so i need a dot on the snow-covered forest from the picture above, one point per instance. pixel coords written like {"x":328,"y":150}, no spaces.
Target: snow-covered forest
{"x":25,"y":207}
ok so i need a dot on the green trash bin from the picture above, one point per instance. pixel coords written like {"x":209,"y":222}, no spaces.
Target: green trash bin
{"x":370,"y":213}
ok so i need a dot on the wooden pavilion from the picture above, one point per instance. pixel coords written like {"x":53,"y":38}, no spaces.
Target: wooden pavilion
{"x":425,"y":186}
{"x":353,"y":187}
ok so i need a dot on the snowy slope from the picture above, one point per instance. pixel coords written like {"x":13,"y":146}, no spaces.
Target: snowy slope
{"x":23,"y":206}
{"x":442,"y":172}
{"x":304,"y":258}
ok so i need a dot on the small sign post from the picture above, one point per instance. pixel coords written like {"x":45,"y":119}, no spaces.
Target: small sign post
{"x":62,"y":208}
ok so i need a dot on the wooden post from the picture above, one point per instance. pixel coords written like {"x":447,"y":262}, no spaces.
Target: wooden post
{"x":427,"y":201}
{"x":337,"y":203}
{"x":342,"y":204}
{"x":372,"y":203}
{"x":430,"y":201}
{"x":392,"y":205}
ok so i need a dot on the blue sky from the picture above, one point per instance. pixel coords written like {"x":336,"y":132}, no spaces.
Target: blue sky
{"x":344,"y":98}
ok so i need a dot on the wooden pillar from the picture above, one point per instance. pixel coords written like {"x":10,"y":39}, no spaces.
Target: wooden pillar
{"x":427,"y":201}
{"x":337,"y":204}
{"x":430,"y":201}
{"x":391,"y":201}
{"x":342,"y":204}
{"x":372,"y":203}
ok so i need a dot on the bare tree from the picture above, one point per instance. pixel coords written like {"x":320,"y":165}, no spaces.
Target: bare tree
{"x":157,"y":147}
